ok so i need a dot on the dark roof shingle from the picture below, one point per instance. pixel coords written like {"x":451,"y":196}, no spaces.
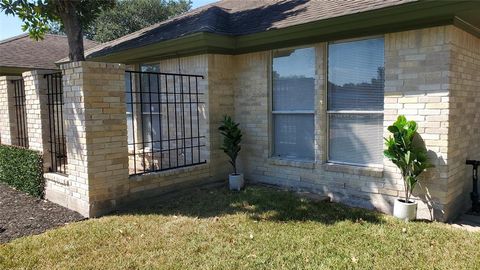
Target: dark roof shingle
{"x":22,"y":51}
{"x":242,"y":17}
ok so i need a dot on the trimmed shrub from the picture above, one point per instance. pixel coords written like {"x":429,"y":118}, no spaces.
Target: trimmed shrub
{"x":22,"y":169}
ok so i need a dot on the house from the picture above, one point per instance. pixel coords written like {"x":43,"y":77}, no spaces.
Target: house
{"x":313,"y":84}
{"x":21,"y":53}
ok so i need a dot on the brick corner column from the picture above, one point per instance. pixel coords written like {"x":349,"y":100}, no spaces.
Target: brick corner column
{"x":8,"y":127}
{"x":37,"y":112}
{"x":96,"y":135}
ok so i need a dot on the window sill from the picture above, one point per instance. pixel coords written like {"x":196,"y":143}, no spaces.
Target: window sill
{"x":155,"y":175}
{"x":292,"y":162}
{"x":355,"y":170}
{"x":58,"y":178}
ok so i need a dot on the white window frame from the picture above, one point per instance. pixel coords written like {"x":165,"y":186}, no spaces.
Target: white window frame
{"x":331,"y":112}
{"x":288,"y":112}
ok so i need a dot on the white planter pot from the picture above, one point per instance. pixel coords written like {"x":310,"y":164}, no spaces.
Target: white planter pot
{"x":405,"y":211}
{"x":235,"y":181}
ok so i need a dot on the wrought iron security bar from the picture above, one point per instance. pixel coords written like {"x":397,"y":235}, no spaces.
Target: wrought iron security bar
{"x":58,"y":151}
{"x":163,"y":116}
{"x":20,"y":112}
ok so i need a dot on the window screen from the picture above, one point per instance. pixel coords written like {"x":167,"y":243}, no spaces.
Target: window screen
{"x":355,"y":101}
{"x":293,"y":86}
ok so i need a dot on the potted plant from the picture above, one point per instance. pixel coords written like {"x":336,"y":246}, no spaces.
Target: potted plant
{"x":232,"y":136}
{"x":404,"y":149}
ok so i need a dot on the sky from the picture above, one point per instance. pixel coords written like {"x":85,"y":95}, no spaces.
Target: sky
{"x":11,"y":26}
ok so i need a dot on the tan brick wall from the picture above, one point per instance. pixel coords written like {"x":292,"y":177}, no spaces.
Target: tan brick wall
{"x":96,"y":136}
{"x":8,"y":122}
{"x":216,"y":94}
{"x":95,"y":123}
{"x":417,"y":85}
{"x":431,"y":76}
{"x":464,"y":117}
{"x":36,"y":100}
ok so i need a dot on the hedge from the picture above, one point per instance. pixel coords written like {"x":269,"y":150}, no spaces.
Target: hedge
{"x":22,"y":169}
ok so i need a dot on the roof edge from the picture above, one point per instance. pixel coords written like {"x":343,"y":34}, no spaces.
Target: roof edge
{"x":13,"y":38}
{"x":381,"y":21}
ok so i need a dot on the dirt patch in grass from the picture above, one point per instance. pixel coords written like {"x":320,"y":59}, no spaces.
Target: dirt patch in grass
{"x":22,"y":214}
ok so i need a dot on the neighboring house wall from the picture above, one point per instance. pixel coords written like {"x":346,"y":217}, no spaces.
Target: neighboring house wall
{"x":464,"y":118}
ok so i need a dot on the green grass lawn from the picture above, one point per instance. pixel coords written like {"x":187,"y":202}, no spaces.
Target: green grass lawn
{"x":259,"y":228}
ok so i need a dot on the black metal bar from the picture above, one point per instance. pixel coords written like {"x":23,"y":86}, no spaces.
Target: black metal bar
{"x":191,"y":120}
{"x":58,"y":124}
{"x":64,"y":141}
{"x":168,"y":123}
{"x":141,"y":120}
{"x":57,"y":141}
{"x":152,"y":166}
{"x":166,"y":73}
{"x":50,"y":126}
{"x":174,"y":132}
{"x":183,"y":121}
{"x":159,"y":108}
{"x":166,"y":140}
{"x":20,"y":112}
{"x":176,"y":122}
{"x":198,"y":120}
{"x":133,"y":126}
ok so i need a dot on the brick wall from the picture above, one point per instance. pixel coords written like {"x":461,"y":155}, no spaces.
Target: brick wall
{"x":217,"y":100}
{"x":8,"y":122}
{"x":464,"y":117}
{"x":431,"y":77}
{"x":36,"y":100}
{"x":96,"y":136}
{"x":418,"y":73}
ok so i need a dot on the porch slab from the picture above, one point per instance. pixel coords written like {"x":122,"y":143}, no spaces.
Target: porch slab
{"x":468,"y":222}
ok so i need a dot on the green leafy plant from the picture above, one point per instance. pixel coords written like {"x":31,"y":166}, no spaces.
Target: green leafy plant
{"x":22,"y":169}
{"x":407,"y":152}
{"x":232,"y":136}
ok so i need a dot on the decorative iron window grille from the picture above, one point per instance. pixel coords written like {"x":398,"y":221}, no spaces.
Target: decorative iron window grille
{"x":20,"y":113}
{"x":163,"y":118}
{"x":58,"y":151}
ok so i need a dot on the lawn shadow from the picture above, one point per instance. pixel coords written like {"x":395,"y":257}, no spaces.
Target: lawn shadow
{"x":258,"y":203}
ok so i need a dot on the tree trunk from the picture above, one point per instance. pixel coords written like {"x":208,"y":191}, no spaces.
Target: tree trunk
{"x":73,"y":29}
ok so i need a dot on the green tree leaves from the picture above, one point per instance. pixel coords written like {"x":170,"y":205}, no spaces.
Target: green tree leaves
{"x":132,"y":15}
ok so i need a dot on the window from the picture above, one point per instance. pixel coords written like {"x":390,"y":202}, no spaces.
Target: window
{"x":151,"y":115}
{"x":293,"y":87}
{"x":355,"y":101}
{"x":150,"y":120}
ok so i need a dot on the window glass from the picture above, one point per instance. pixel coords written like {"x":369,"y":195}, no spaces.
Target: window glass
{"x":356,"y":138}
{"x":356,"y":77}
{"x":294,"y":135}
{"x":293,"y":91}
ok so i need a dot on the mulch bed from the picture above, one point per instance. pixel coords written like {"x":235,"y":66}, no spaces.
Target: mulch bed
{"x":22,"y":214}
